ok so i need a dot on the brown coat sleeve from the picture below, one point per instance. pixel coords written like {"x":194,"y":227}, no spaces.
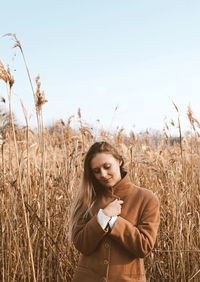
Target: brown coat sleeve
{"x":139,"y":240}
{"x":87,"y":236}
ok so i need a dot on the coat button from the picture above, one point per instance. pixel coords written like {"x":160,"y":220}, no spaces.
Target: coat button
{"x":103,"y":279}
{"x":106,"y":245}
{"x":106,"y":261}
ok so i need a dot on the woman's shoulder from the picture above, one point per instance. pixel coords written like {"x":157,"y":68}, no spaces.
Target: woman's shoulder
{"x":144,"y":193}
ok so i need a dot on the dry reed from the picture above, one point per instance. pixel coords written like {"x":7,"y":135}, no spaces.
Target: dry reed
{"x":40,"y":172}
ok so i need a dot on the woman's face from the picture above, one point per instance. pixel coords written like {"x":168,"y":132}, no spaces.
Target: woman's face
{"x":106,"y":169}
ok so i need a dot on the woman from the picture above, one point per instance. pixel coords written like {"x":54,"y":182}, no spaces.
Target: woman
{"x":113,"y":222}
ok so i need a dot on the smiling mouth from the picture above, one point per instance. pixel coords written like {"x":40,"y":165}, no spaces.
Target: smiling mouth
{"x":107,"y":180}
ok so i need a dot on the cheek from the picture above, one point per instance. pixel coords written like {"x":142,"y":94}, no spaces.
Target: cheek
{"x":117,"y":171}
{"x":114,"y":171}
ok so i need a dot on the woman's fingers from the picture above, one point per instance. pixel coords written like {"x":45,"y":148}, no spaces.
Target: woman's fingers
{"x":113,"y":208}
{"x":120,"y":202}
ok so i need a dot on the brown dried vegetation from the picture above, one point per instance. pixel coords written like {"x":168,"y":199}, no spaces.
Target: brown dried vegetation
{"x":40,"y":173}
{"x":175,"y":179}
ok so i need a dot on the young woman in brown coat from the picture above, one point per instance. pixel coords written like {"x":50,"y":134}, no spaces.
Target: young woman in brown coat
{"x":113,"y":222}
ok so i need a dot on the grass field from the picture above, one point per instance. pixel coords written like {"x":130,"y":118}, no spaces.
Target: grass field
{"x":40,"y":173}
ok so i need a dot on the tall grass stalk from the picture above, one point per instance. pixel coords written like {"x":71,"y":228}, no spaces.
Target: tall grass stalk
{"x":19,"y":177}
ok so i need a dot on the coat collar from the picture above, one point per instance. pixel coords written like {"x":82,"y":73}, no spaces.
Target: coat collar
{"x":122,"y":186}
{"x":120,"y":189}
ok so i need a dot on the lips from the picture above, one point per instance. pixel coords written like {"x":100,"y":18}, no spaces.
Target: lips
{"x":107,"y":180}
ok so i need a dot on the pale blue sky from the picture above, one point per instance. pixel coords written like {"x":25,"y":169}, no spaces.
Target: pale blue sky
{"x":138,"y":56}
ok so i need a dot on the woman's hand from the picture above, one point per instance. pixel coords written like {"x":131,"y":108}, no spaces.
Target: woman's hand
{"x":114,"y":208}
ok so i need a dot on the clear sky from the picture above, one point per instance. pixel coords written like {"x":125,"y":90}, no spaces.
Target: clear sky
{"x":138,"y":56}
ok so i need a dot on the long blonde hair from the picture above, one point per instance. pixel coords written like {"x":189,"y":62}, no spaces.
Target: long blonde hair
{"x":90,"y":187}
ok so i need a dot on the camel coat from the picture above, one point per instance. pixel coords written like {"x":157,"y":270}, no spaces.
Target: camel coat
{"x":117,"y":255}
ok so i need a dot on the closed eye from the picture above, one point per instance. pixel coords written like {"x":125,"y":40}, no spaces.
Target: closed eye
{"x":96,"y":170}
{"x":105,"y":166}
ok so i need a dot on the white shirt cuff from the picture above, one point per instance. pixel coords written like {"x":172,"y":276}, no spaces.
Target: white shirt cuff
{"x":112,"y":221}
{"x":103,"y":219}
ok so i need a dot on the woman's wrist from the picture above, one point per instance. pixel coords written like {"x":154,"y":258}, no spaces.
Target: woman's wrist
{"x":103,"y":219}
{"x":112,"y":221}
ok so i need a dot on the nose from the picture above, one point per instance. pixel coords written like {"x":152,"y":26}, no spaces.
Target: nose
{"x":103,"y":173}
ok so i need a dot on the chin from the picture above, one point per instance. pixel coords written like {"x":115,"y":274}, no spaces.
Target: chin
{"x":108,"y":185}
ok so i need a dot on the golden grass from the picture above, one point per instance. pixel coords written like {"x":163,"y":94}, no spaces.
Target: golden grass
{"x":160,"y":167}
{"x":40,"y":173}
